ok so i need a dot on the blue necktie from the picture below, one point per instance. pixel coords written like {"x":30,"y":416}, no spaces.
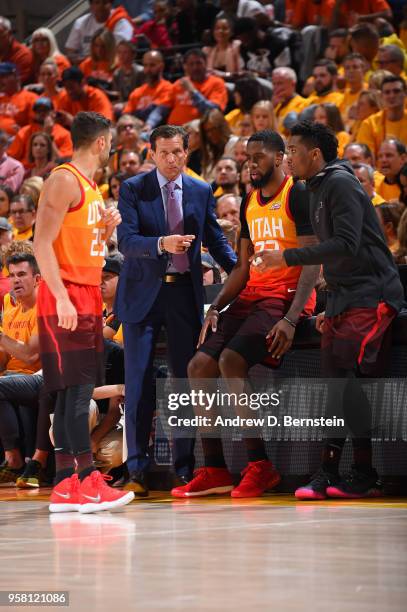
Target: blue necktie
{"x":175,"y":222}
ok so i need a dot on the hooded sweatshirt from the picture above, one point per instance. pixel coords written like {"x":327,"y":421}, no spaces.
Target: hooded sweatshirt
{"x":358,"y":267}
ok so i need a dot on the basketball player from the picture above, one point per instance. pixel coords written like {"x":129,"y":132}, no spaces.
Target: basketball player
{"x":364,"y":295}
{"x":266,"y":307}
{"x":71,"y":232}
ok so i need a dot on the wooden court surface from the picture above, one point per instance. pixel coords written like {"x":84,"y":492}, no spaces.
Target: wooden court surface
{"x":272,"y":553}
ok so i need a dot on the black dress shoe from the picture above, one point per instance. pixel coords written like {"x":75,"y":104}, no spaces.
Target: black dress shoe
{"x":137,"y":482}
{"x":181,"y":481}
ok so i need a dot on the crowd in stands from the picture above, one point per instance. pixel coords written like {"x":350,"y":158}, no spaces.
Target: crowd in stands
{"x":223,"y":69}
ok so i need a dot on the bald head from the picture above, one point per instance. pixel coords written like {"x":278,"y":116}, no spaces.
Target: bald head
{"x":153,"y":64}
{"x":284,"y":82}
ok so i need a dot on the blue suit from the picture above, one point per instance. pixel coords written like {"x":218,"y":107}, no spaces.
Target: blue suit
{"x":144,"y":303}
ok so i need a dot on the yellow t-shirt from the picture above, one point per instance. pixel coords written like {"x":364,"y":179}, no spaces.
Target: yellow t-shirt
{"x":21,"y":325}
{"x":234,"y":118}
{"x":334,"y":97}
{"x":295,"y":105}
{"x":377,"y":128}
{"x":385,"y":190}
{"x":377,"y":200}
{"x":26,"y":235}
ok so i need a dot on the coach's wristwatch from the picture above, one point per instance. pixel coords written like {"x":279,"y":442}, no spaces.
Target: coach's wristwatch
{"x":161,"y":245}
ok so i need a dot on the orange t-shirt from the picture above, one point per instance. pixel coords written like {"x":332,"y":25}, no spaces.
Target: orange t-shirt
{"x":95,"y":100}
{"x":80,"y":244}
{"x":183,"y":110}
{"x":305,"y":12}
{"x":98,"y":70}
{"x":144,"y":96}
{"x":16,"y":110}
{"x":22,"y":57}
{"x":21,"y":325}
{"x":271,"y":226}
{"x":19,"y":147}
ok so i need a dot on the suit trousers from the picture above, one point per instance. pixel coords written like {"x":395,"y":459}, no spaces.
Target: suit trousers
{"x":175,"y":309}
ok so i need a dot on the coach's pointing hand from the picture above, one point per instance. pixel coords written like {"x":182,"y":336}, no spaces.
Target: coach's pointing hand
{"x":177,"y":244}
{"x":67,"y":314}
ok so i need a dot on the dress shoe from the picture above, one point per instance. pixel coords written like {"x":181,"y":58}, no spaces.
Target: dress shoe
{"x":137,"y":482}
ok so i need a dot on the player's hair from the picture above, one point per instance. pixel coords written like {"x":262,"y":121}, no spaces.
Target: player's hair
{"x":169,"y":131}
{"x":17,"y":258}
{"x":317,"y":136}
{"x":86,"y":127}
{"x":271,"y":140}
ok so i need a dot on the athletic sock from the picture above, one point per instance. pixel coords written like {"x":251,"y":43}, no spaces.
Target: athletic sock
{"x":213,"y":452}
{"x":331,"y":456}
{"x":255,"y":449}
{"x":64,"y":465}
{"x":362,"y":454}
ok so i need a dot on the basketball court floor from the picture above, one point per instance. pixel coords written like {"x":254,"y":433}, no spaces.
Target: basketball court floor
{"x":210,"y":554}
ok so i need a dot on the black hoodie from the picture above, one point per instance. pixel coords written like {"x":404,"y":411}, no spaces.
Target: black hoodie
{"x":358,"y":267}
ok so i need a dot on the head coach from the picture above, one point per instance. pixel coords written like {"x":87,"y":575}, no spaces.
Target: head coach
{"x":166,"y":217}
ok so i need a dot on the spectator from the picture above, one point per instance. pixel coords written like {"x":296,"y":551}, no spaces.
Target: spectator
{"x":6,"y":195}
{"x":98,"y":68}
{"x":247,"y":92}
{"x":216,"y":141}
{"x":369,"y":103}
{"x":244,"y":8}
{"x":110,"y":278}
{"x":44,"y":46}
{"x":223,"y":58}
{"x":101,"y":16}
{"x":376,"y":79}
{"x":40,"y":155}
{"x":11,"y":170}
{"x":128,"y":75}
{"x":48,"y":78}
{"x":22,"y":213}
{"x":80,"y":97}
{"x":328,"y":114}
{"x":115,"y":180}
{"x":389,"y":122}
{"x":365,"y":174}
{"x":228,"y":207}
{"x":139,"y":10}
{"x":226,"y":177}
{"x":285,"y":98}
{"x":156,"y":29}
{"x":262,"y":116}
{"x":245,"y":181}
{"x":197,"y":92}
{"x":231,"y":233}
{"x":150,"y":102}
{"x":240,"y":151}
{"x":354,"y":69}
{"x":403,"y":184}
{"x":130,"y":162}
{"x":338,"y":46}
{"x":6,"y":238}
{"x":325,"y":74}
{"x":391,"y":58}
{"x":258,"y":48}
{"x":390,"y":160}
{"x":400,"y":254}
{"x":13,"y":51}
{"x":390,"y":215}
{"x":349,"y":12}
{"x":32,"y":187}
{"x":194,"y":146}
{"x":309,"y":17}
{"x":42,"y":121}
{"x":18,"y":354}
{"x":15,"y":103}
{"x":364,"y":39}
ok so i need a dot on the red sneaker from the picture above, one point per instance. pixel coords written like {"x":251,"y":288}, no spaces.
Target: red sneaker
{"x":65,"y":495}
{"x":206,"y":481}
{"x":258,"y":476}
{"x":96,"y":495}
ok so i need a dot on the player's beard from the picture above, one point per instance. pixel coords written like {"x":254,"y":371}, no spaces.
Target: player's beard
{"x":262,"y":182}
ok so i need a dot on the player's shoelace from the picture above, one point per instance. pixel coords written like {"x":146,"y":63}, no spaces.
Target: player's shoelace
{"x":100,"y":479}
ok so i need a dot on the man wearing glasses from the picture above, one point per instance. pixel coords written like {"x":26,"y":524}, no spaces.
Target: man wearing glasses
{"x":22,"y":212}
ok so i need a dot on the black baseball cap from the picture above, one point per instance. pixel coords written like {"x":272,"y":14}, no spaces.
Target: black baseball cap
{"x":113,"y":264}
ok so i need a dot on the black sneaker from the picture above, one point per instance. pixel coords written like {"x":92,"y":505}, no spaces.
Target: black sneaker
{"x":357,"y":484}
{"x":32,"y":477}
{"x":317,"y":487}
{"x":8,"y":474}
{"x":137,"y":482}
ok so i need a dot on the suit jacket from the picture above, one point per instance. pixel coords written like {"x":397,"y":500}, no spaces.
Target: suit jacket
{"x":143,"y":222}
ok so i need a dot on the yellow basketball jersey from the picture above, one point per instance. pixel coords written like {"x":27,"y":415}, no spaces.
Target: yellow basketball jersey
{"x":271,"y":226}
{"x":80,"y":245}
